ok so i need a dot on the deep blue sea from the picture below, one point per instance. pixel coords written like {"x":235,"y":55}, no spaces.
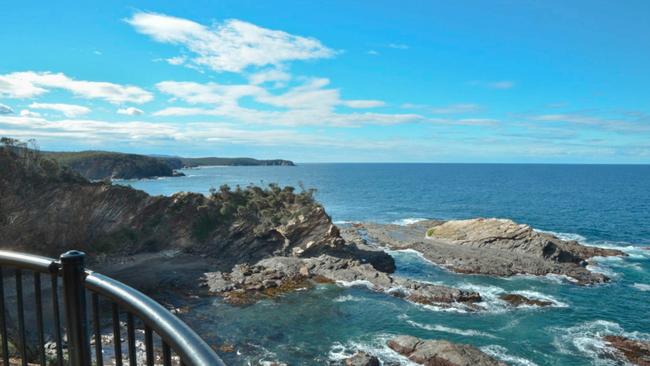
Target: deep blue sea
{"x":604,"y":205}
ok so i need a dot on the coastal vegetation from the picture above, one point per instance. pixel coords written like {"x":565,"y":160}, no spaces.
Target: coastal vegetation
{"x":97,"y":165}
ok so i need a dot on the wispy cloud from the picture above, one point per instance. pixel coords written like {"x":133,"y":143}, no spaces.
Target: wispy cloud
{"x":28,"y":113}
{"x":29,"y":84}
{"x":68,"y":110}
{"x":130,"y":111}
{"x":5,"y":109}
{"x":310,"y":103}
{"x":233,"y":45}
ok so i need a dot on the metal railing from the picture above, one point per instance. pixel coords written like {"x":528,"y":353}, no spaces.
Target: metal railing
{"x":176,"y":337}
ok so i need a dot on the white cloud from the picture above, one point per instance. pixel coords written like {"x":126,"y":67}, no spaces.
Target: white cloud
{"x":372,"y":53}
{"x":457,"y":109}
{"x":310,"y":103}
{"x":5,"y":109}
{"x":130,"y":111}
{"x":277,"y":76}
{"x":233,"y":45}
{"x":28,"y":113}
{"x":29,"y":84}
{"x":177,"y":60}
{"x":363,"y":103}
{"x":68,"y":110}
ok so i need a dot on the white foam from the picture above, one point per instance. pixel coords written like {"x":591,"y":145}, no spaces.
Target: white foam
{"x":376,"y":347}
{"x":408,"y":221}
{"x":564,"y":236}
{"x":445,"y":329}
{"x":641,"y":287}
{"x":356,"y":283}
{"x":587,"y":338}
{"x":493,"y":303}
{"x":347,"y":298}
{"x":633,"y":251}
{"x":502,"y":354}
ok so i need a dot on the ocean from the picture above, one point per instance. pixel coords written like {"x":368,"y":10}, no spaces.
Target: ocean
{"x":602,"y":205}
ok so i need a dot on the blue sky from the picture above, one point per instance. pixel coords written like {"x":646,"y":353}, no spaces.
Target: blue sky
{"x":352,"y":81}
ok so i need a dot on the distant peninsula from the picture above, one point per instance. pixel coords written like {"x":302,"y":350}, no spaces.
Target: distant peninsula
{"x":98,"y":165}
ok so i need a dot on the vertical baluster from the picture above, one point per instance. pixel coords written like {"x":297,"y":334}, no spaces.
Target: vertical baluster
{"x":117,"y":340}
{"x":39,"y":317}
{"x":21,"y":317}
{"x":98,"y":329}
{"x":148,"y":345}
{"x":167,"y":354}
{"x":130,"y":329}
{"x":3,"y":322}
{"x":57,"y":319}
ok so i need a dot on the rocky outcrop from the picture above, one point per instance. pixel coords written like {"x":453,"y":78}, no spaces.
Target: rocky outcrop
{"x":440,"y":352}
{"x":633,"y":351}
{"x":246,"y":284}
{"x":362,"y":359}
{"x":487,"y":246}
{"x":520,"y":300}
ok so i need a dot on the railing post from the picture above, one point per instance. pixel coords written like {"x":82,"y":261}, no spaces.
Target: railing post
{"x":74,"y":298}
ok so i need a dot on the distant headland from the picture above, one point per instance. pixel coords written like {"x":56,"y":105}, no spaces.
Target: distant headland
{"x":97,"y":165}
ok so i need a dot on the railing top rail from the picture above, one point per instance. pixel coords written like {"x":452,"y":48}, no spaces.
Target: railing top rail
{"x":191,"y":348}
{"x":28,"y":261}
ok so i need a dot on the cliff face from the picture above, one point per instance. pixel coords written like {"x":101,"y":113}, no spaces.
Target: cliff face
{"x":47,"y":209}
{"x":100,"y":165}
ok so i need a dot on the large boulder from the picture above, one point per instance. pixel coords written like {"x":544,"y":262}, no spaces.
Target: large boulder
{"x":440,"y":352}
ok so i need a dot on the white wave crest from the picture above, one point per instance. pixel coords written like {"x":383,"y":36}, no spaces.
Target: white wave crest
{"x":445,"y":329}
{"x":356,"y":283}
{"x":408,"y":221}
{"x":641,"y":287}
{"x":377,"y":347}
{"x":564,"y":236}
{"x":502,"y":354}
{"x":493,"y":303}
{"x":347,"y":298}
{"x":587,"y":338}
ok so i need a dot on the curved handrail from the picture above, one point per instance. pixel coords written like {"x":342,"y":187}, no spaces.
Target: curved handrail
{"x":191,"y":348}
{"x":28,"y":261}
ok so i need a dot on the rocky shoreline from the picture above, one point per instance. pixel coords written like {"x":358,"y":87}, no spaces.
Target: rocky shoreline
{"x":245,"y":245}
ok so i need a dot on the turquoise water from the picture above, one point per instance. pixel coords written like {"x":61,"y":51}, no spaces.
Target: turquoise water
{"x":597,"y":205}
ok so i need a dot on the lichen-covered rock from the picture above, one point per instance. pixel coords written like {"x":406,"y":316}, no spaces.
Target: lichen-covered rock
{"x":440,"y":352}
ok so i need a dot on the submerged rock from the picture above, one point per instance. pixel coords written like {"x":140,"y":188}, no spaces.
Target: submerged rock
{"x":440,"y":352}
{"x":519,"y":300}
{"x":634,"y":351}
{"x":496,"y":247}
{"x":273,"y":276}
